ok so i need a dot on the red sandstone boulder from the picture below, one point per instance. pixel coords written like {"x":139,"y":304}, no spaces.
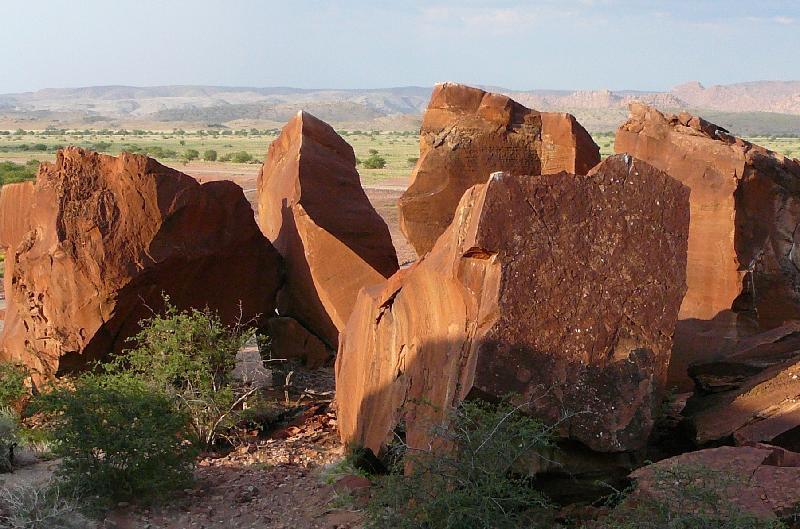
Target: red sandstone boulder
{"x":15,"y":220}
{"x":312,"y":207}
{"x":15,"y":213}
{"x":289,"y":338}
{"x":106,"y":237}
{"x":468,"y":134}
{"x":762,"y":408}
{"x":743,"y":269}
{"x":563,"y":290}
{"x":760,"y":480}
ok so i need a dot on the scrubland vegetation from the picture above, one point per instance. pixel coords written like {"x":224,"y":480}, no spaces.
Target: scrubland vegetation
{"x":382,"y":155}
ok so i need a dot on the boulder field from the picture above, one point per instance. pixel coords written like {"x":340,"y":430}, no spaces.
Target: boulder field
{"x":560,"y":289}
{"x":93,"y":243}
{"x":581,"y":289}
{"x":466,"y":135}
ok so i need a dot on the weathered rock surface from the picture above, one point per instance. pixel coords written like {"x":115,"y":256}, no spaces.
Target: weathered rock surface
{"x":15,"y":221}
{"x":289,"y":339}
{"x":107,"y":236}
{"x":312,"y":207}
{"x":15,"y":213}
{"x":762,"y":408}
{"x":753,"y":355}
{"x":561,"y":289}
{"x":761,"y":479}
{"x":743,"y":271}
{"x":468,"y":134}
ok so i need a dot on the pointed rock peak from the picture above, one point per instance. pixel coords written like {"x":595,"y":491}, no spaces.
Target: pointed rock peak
{"x":467,"y":134}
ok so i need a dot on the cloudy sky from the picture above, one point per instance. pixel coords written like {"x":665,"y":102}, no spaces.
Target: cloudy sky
{"x":564,"y":44}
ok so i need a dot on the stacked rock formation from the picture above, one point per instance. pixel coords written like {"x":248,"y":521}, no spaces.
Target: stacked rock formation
{"x":312,"y":207}
{"x":743,"y":268}
{"x":105,"y":237}
{"x":561,"y":289}
{"x":468,"y":134}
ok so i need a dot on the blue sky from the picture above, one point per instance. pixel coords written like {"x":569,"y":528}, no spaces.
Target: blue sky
{"x":566,"y":44}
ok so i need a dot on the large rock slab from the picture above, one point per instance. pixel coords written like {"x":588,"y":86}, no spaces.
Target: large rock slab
{"x":106,"y":237}
{"x":743,"y":271}
{"x":562,"y":290}
{"x":760,"y":480}
{"x":467,"y":134}
{"x":312,"y":207}
{"x":762,"y":408}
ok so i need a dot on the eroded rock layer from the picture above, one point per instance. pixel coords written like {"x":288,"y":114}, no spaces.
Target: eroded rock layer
{"x":468,"y":133}
{"x":563,"y":290}
{"x":106,"y":237}
{"x":312,"y":207}
{"x":743,"y":271}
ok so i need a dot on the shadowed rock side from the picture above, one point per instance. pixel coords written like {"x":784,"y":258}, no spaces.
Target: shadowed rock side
{"x":107,"y":235}
{"x":468,"y":134}
{"x":743,"y":268}
{"x":561,"y":289}
{"x":312,"y":207}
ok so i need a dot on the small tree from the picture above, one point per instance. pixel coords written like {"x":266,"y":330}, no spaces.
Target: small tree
{"x":375,"y":161}
{"x":210,"y":155}
{"x":190,"y":154}
{"x":241,"y":157}
{"x":190,"y":356}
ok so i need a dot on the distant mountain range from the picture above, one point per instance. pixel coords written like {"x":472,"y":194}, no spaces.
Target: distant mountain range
{"x":761,"y":107}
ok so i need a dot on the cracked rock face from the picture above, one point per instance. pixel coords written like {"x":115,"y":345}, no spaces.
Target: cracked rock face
{"x":562,"y":290}
{"x":104,"y":238}
{"x":468,"y":134}
{"x":312,"y":207}
{"x":743,"y":271}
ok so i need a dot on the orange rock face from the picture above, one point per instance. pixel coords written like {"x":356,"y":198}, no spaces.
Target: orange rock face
{"x":743,"y":269}
{"x":15,"y":213}
{"x":467,"y":134}
{"x":312,"y":207}
{"x":106,"y":237}
{"x":563,"y":290}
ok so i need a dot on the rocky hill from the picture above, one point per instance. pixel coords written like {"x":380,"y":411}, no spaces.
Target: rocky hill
{"x":760,"y":107}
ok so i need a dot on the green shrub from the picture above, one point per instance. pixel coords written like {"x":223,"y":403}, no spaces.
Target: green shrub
{"x":241,"y":157}
{"x":686,"y":497}
{"x":374,"y":161}
{"x":119,"y":439}
{"x":190,"y":355}
{"x":472,"y":485}
{"x":101,"y":146}
{"x":11,"y":172}
{"x":190,"y":154}
{"x":12,"y":383}
{"x":210,"y":155}
{"x":412,"y":160}
{"x":8,"y":438}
